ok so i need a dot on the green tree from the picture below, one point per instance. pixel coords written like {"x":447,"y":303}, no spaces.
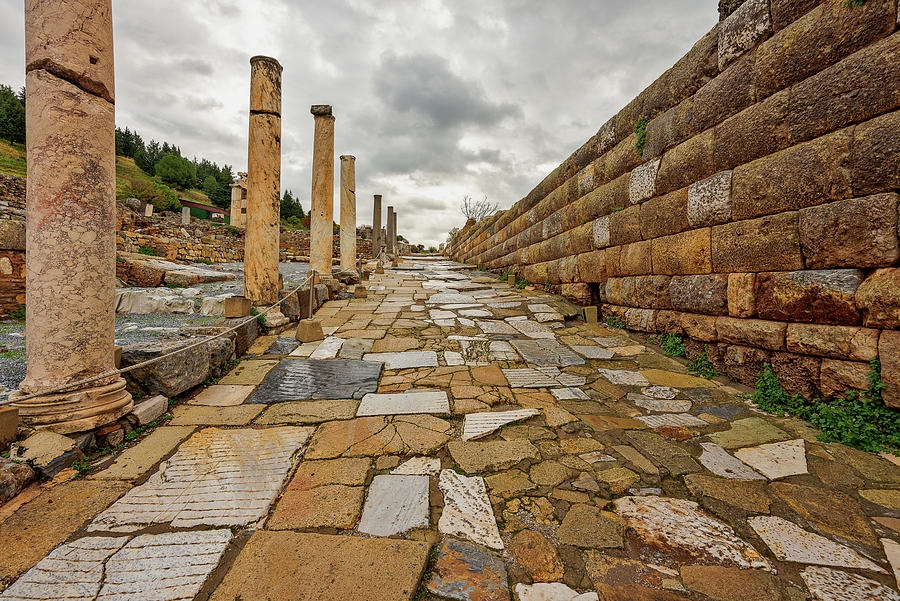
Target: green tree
{"x":12,"y":115}
{"x":291,"y":207}
{"x":176,"y":170}
{"x":210,"y":185}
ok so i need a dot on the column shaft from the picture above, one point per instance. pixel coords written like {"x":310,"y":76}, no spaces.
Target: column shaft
{"x":70,"y":217}
{"x":388,"y":243}
{"x":261,"y":242}
{"x":376,"y":226}
{"x":348,"y":213}
{"x":321,"y":235}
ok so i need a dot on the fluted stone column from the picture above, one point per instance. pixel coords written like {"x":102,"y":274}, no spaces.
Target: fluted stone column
{"x":394,"y":242}
{"x":261,"y":281}
{"x":321,"y":235}
{"x":388,"y":243}
{"x":236,"y":209}
{"x":70,"y":259}
{"x":348,"y":213}
{"x":376,"y":227}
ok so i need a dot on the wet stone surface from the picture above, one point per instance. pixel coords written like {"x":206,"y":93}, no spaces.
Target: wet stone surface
{"x":306,"y":379}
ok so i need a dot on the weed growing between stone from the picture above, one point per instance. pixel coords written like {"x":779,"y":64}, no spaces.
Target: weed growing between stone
{"x":260,"y":318}
{"x":614,"y":322}
{"x":702,"y":366}
{"x":860,"y":420}
{"x":18,"y":313}
{"x":146,"y":250}
{"x":640,"y":128}
{"x":520,"y":284}
{"x":672,"y":344}
{"x":504,"y":277}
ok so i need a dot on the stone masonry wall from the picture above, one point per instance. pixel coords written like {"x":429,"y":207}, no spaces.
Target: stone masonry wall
{"x":12,"y":197}
{"x":760,"y":218}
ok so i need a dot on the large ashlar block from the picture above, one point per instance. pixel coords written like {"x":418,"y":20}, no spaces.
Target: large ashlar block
{"x":889,"y":353}
{"x":664,"y":215}
{"x":839,"y":376}
{"x":699,"y":327}
{"x":876,"y":153}
{"x":625,"y":226}
{"x":709,"y":200}
{"x":814,"y":296}
{"x":764,"y":244}
{"x":684,"y":253}
{"x":641,"y":320}
{"x":753,"y":332}
{"x":744,"y":29}
{"x":634,"y":259}
{"x":837,"y":342}
{"x":861,"y":233}
{"x":879,"y":298}
{"x":700,"y":293}
{"x":741,"y":294}
{"x":601,"y":232}
{"x":642,"y":183}
{"x":804,"y":175}
{"x":592,"y":266}
{"x":755,"y":132}
{"x":689,"y":162}
{"x":821,"y":38}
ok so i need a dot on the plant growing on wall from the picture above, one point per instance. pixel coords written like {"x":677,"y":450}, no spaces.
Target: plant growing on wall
{"x":640,"y":128}
{"x":702,"y":366}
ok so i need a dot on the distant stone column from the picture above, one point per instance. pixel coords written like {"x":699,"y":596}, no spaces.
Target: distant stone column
{"x":321,"y":235}
{"x":185,"y":215}
{"x":389,"y":241}
{"x":348,"y":213}
{"x":394,"y":242}
{"x":236,"y":206}
{"x":261,"y":280}
{"x":70,"y":217}
{"x":376,"y":226}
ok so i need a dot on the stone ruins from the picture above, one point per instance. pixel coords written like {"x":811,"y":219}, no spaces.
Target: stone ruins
{"x":497,"y":422}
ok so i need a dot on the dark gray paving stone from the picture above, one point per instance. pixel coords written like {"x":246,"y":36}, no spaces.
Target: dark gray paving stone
{"x":728,"y":412}
{"x":306,"y":379}
{"x":468,"y":572}
{"x":283,"y":346}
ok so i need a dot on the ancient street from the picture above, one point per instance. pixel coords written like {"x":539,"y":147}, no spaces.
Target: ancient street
{"x":466,"y":440}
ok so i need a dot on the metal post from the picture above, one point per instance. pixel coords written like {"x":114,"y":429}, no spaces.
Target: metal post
{"x":312,"y":284}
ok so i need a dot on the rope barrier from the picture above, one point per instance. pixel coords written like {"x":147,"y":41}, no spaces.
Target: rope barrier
{"x":64,"y":387}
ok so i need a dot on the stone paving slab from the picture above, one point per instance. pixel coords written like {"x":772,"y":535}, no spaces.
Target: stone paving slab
{"x":403,"y":403}
{"x":217,"y":478}
{"x":467,"y":510}
{"x":468,"y":572}
{"x":222,"y":395}
{"x":280,"y":565}
{"x":139,"y":459}
{"x":307,"y":412}
{"x":307,"y":379}
{"x":395,"y":504}
{"x":200,"y":415}
{"x":404,"y":360}
{"x":834,"y":585}
{"x":546,"y":352}
{"x":249,"y":373}
{"x":477,"y":425}
{"x":161,"y":567}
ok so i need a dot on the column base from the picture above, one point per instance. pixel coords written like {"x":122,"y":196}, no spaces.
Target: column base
{"x":75,"y":411}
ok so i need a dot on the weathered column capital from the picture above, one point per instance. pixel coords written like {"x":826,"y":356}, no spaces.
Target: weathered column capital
{"x":321,"y":110}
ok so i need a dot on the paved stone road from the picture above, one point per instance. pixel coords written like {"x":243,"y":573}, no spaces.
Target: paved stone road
{"x":454,"y":438}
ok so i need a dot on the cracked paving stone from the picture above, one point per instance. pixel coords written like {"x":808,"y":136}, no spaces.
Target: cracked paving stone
{"x":829,"y":511}
{"x":776,"y":460}
{"x":587,"y":527}
{"x":541,"y":377}
{"x":748,"y":495}
{"x":660,"y":392}
{"x":593,"y":352}
{"x":467,"y":510}
{"x":307,"y":412}
{"x":404,"y":360}
{"x":217,"y":478}
{"x":164,"y":567}
{"x":674,"y":458}
{"x":495,"y":327}
{"x":476,"y":457}
{"x":790,"y":542}
{"x":533,"y":329}
{"x":477,"y":425}
{"x":733,"y":584}
{"x":468,"y":572}
{"x":672,"y":419}
{"x":308,"y":379}
{"x":373,"y":436}
{"x":508,"y":484}
{"x":328,"y":348}
{"x":219,"y":395}
{"x":659,"y":405}
{"x":418,"y":466}
{"x":623,"y":377}
{"x":718,"y":461}
{"x":283,"y":346}
{"x":677,"y":528}
{"x":394,"y":505}
{"x":833,"y":585}
{"x":551,"y":591}
{"x":537,"y":555}
{"x":292,"y":565}
{"x":546,"y":353}
{"x":747,"y":432}
{"x":567,"y":394}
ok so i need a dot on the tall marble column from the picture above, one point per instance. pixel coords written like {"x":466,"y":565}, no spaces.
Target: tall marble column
{"x":321,"y":235}
{"x":348,"y":213}
{"x":261,"y":280}
{"x":70,"y":262}
{"x":388,"y":243}
{"x":236,"y":209}
{"x":376,"y":227}
{"x":394,"y":232}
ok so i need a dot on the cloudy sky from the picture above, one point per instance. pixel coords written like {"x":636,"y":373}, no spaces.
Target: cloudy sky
{"x":436,"y":98}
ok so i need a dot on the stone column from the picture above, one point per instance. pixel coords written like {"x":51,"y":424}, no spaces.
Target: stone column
{"x":321,"y":235}
{"x":185,"y":215}
{"x":376,"y":226}
{"x":348,"y":213}
{"x":236,"y":209}
{"x":394,"y":242}
{"x":70,"y":217}
{"x":388,"y":243}
{"x":261,"y":281}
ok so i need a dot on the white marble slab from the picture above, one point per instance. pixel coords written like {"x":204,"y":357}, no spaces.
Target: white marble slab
{"x":594,"y":352}
{"x":467,"y":510}
{"x":718,"y":461}
{"x":659,"y":405}
{"x":790,"y":542}
{"x":453,"y":358}
{"x":547,"y":317}
{"x":405,"y":360}
{"x":328,"y":348}
{"x":826,"y":584}
{"x":477,"y":425}
{"x":541,"y":377}
{"x":660,"y":392}
{"x":551,"y":591}
{"x":565,"y":394}
{"x":419,"y":466}
{"x":776,"y":460}
{"x":532,"y":329}
{"x":495,"y":327}
{"x":395,"y":504}
{"x":624,"y":377}
{"x":403,"y":403}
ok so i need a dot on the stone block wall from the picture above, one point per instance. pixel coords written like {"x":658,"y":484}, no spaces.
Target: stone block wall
{"x":12,"y":197}
{"x":760,"y":218}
